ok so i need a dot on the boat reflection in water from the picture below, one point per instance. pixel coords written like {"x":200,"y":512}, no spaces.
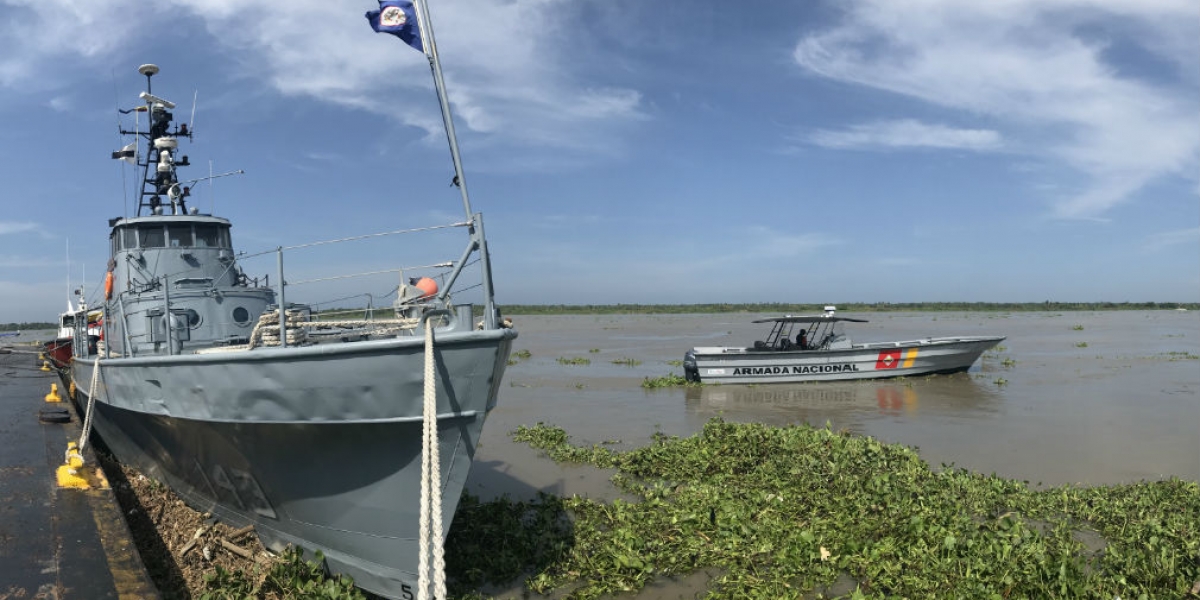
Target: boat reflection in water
{"x":851,"y":401}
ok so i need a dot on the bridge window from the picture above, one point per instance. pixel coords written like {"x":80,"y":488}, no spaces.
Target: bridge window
{"x":152,"y":237}
{"x":129,"y":238}
{"x":207,"y":236}
{"x":179,"y":236}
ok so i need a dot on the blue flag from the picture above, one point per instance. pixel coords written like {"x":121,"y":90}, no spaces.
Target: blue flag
{"x":399,"y":18}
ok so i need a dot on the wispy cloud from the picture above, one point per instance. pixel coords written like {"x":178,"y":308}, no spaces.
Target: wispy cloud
{"x":1170,"y":239}
{"x":323,"y":156}
{"x":898,"y":261}
{"x":762,"y":242}
{"x":25,"y":262}
{"x":1042,"y":72}
{"x":7,"y":227}
{"x":907,"y":133}
{"x":508,"y":89}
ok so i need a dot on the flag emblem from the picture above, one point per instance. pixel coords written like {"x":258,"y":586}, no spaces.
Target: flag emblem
{"x":392,"y":16}
{"x":887,"y":359}
{"x":399,"y":18}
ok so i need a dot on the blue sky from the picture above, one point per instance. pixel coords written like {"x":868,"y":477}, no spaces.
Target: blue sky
{"x":631,"y":151}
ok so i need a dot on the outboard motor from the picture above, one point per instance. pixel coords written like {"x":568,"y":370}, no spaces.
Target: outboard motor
{"x":691,"y":373}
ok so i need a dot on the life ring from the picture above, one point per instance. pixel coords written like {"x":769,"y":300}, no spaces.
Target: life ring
{"x":108,"y":286}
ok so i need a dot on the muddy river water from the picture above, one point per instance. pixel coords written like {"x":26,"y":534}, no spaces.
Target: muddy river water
{"x":1075,"y":397}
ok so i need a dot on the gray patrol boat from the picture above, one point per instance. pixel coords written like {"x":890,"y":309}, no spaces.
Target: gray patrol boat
{"x":310,"y":429}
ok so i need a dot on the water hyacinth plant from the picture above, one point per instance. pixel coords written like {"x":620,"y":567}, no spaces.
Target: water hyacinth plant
{"x":577,"y":360}
{"x":668,"y":380}
{"x":801,"y":512}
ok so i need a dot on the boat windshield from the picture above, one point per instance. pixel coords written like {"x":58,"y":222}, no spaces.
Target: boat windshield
{"x":790,"y":335}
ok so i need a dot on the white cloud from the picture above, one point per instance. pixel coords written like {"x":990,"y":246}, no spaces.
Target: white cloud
{"x":508,"y":65}
{"x":25,"y":262}
{"x":1039,"y":69}
{"x":60,"y":103}
{"x":899,"y":261}
{"x":772,"y":244}
{"x":1169,"y":239}
{"x":513,"y":89}
{"x":7,"y":227}
{"x":37,"y":31}
{"x":907,"y":133}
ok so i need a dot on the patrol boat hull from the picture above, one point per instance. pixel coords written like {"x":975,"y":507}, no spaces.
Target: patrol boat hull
{"x":316,"y":446}
{"x":858,"y":361}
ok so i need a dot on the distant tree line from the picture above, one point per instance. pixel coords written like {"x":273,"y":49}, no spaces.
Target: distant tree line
{"x":24,"y":326}
{"x":770,"y":307}
{"x":776,"y":307}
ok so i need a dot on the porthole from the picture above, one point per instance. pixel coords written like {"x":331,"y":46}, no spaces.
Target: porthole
{"x":193,"y":318}
{"x":241,"y":316}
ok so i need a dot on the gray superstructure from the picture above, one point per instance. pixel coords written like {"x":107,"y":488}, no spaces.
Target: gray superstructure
{"x":312,"y":431}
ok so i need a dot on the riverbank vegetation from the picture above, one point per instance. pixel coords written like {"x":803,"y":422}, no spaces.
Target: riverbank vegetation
{"x":777,"y":307}
{"x":759,"y":307}
{"x":27,"y":326}
{"x":791,"y":512}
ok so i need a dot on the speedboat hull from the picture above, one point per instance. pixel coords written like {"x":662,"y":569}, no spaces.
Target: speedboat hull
{"x":859,"y":361}
{"x":318,"y":447}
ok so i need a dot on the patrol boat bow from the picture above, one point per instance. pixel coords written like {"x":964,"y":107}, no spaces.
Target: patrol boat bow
{"x":307,"y":428}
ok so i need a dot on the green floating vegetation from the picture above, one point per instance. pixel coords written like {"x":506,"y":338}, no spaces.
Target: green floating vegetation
{"x":668,"y":380}
{"x":578,"y":360}
{"x":1081,"y":344}
{"x":803,"y":512}
{"x":518,"y":356}
{"x":629,"y":362}
{"x":500,"y":540}
{"x":1176,"y":355}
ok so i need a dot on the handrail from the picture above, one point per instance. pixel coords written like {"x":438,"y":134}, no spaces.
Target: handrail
{"x":397,"y":270}
{"x":351,"y":239}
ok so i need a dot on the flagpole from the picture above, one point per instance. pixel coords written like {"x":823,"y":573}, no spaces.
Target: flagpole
{"x":430,"y":48}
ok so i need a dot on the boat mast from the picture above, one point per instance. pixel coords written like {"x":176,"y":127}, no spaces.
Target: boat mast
{"x":430,"y":48}
{"x":160,"y":152}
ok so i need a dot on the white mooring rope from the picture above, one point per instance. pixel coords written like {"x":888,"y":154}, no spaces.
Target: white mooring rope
{"x":431,"y":502}
{"x":87,"y":418}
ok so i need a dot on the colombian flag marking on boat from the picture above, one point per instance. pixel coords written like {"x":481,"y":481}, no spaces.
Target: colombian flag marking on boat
{"x":888,"y":359}
{"x":910,"y":356}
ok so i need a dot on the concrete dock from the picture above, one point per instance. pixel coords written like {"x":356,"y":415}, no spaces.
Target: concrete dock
{"x":55,"y":542}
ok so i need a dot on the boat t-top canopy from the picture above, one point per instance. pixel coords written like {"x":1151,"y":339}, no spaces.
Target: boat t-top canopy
{"x":808,"y":319}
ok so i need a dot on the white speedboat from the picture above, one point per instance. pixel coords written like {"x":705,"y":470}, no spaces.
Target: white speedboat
{"x":816,"y":348}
